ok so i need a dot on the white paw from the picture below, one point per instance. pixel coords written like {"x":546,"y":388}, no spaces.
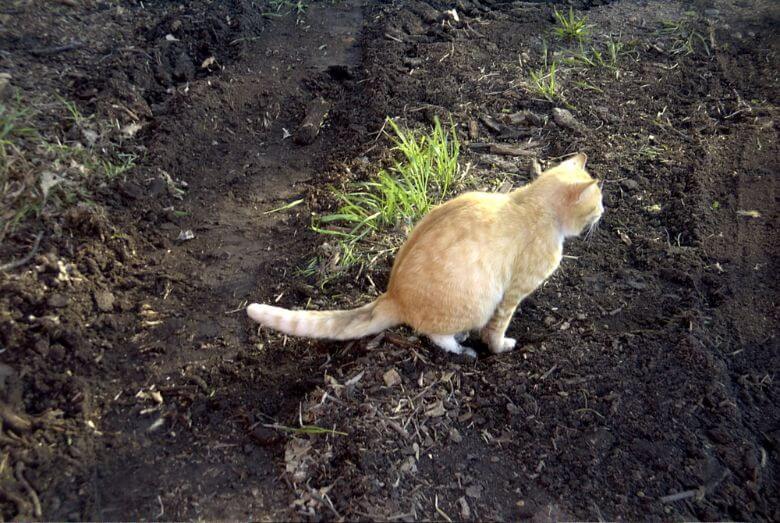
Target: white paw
{"x":505,"y":345}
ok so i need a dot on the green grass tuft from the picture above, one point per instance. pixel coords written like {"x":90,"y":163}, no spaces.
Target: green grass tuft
{"x":571,"y":27}
{"x":420,"y":179}
{"x":684,"y":38}
{"x":42,"y":174}
{"x":545,"y":84}
{"x":404,"y":193}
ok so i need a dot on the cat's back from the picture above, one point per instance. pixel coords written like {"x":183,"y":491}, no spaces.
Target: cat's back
{"x":454,"y":266}
{"x":468,"y":211}
{"x":454,"y":222}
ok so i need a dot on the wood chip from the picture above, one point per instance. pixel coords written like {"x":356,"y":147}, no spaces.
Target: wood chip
{"x":491,"y":123}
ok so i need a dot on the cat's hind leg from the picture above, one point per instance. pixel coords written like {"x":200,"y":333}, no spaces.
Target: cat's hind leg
{"x":450,"y":344}
{"x":461,"y":336}
{"x":493,"y":333}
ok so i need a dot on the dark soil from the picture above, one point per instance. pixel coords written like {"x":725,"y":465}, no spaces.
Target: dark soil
{"x":132,"y":386}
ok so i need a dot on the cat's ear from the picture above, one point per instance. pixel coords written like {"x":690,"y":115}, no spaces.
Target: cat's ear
{"x":577,"y":161}
{"x":581,"y":192}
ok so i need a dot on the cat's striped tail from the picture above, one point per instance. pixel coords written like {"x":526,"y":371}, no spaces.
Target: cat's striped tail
{"x":369,"y":319}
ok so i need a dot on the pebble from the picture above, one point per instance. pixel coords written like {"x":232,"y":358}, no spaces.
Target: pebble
{"x":57,"y":300}
{"x":563,"y":118}
{"x":104,"y":300}
{"x":391,"y":378}
{"x":629,"y":185}
{"x":465,"y":511}
{"x":474,"y":491}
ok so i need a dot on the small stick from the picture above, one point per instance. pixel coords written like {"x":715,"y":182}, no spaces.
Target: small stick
{"x":547,"y":374}
{"x":685,"y":494}
{"x":30,"y":491}
{"x":13,"y":265}
{"x":440,"y":511}
{"x":47,"y":51}
{"x":16,"y":422}
{"x":400,"y":341}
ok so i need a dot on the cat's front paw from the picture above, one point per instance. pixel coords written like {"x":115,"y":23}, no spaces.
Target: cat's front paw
{"x":503,"y":345}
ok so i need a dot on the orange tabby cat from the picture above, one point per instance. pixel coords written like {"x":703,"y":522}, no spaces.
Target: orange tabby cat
{"x":467,"y":265}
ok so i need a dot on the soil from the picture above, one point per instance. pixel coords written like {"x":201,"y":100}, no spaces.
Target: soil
{"x":134,"y":387}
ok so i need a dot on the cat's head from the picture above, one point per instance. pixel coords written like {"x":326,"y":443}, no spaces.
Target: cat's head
{"x":578,"y":195}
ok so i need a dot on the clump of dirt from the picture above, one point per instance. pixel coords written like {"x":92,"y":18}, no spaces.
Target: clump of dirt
{"x":133,"y":387}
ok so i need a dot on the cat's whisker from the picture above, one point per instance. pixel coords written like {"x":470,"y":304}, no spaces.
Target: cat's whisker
{"x":591,"y":229}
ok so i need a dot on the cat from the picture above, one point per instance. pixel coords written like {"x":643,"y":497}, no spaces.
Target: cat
{"x":467,"y":264}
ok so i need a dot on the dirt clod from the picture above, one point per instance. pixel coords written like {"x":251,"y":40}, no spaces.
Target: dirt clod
{"x":391,"y":378}
{"x":104,"y":300}
{"x":563,"y":118}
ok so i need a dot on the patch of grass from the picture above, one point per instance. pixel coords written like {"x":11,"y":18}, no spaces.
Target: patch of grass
{"x":405,"y":192}
{"x":285,"y":206}
{"x":605,"y":58}
{"x":571,"y":27}
{"x":312,"y":430}
{"x":277,"y":6}
{"x":588,"y":86}
{"x":42,"y":174}
{"x":12,"y":127}
{"x":74,"y":114}
{"x":655,"y":153}
{"x":124,"y":164}
{"x":544,"y":83}
{"x":684,"y":38}
{"x":421,"y":178}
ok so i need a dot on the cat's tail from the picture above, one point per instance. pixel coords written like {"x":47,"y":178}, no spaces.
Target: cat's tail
{"x":369,"y":319}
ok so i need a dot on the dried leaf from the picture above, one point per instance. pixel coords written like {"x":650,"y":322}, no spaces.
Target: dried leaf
{"x":186,"y":235}
{"x":436,"y":411}
{"x":131,"y":129}
{"x":353,"y":380}
{"x":156,"y":396}
{"x":296,"y":458}
{"x":49,"y":180}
